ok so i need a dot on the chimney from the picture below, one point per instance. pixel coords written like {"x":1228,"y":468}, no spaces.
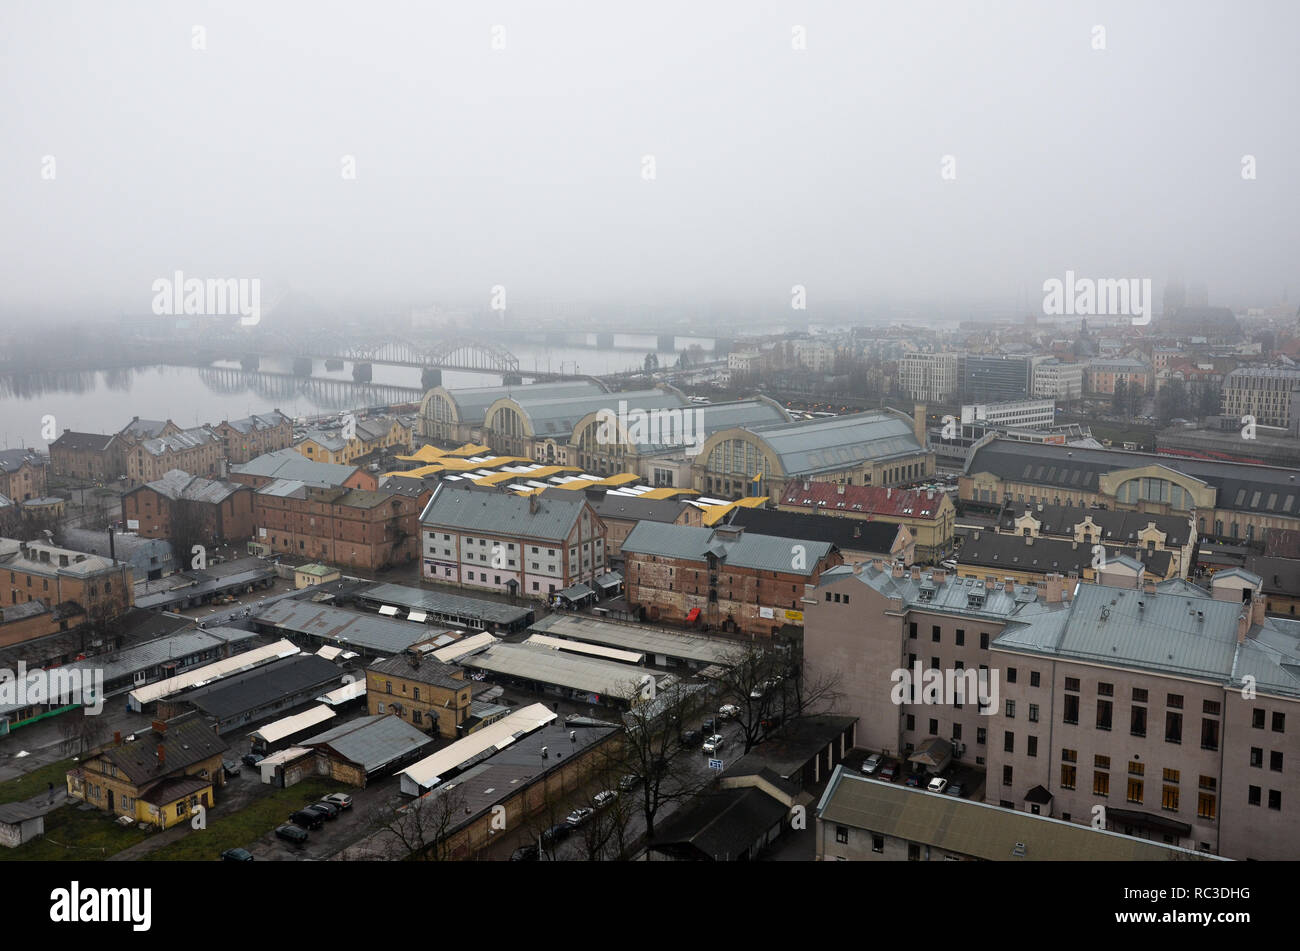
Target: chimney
{"x":918,"y":423}
{"x":916,"y":572}
{"x":889,"y":493}
{"x":1243,"y":625}
{"x":532,"y":504}
{"x":1053,"y":588}
{"x":858,"y":566}
{"x":159,"y":726}
{"x":1149,"y":586}
{"x":1258,"y":610}
{"x":1010,"y":586}
{"x":117,"y":737}
{"x":112,"y":545}
{"x":162,"y":755}
{"x":840,"y":488}
{"x":898,"y":570}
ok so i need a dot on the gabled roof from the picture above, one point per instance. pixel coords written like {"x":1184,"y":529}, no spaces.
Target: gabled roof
{"x":291,"y":464}
{"x":846,"y":534}
{"x":488,"y":512}
{"x":372,"y":742}
{"x":258,"y":422}
{"x":740,"y":550}
{"x":180,"y":442}
{"x":1017,"y":553}
{"x":11,"y":460}
{"x":177,"y":484}
{"x":857,"y":500}
{"x":187,"y":740}
{"x":810,"y":446}
{"x":1118,"y":526}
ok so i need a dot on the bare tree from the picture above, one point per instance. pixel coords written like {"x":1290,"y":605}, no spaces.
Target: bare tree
{"x":81,"y":732}
{"x":770,"y":683}
{"x":422,"y":828}
{"x":186,"y":529}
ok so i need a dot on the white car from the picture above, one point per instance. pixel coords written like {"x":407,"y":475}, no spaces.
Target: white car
{"x":728,"y":711}
{"x":871,"y":764}
{"x":937,"y":785}
{"x":713,"y":743}
{"x":603,"y":799}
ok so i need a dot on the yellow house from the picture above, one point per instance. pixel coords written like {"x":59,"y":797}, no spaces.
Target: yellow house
{"x":369,"y":435}
{"x":159,"y":776}
{"x":432,"y":696}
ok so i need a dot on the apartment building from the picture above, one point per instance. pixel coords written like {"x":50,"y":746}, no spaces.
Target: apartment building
{"x":1055,"y":380}
{"x":1022,"y":413}
{"x":370,"y":435}
{"x":22,"y":474}
{"x":213,"y":509}
{"x":928,"y":377}
{"x":1267,"y":393}
{"x":532,"y":546}
{"x":262,"y":470}
{"x":247,"y":438}
{"x":85,"y":457}
{"x":31,"y":571}
{"x":198,"y":451}
{"x":357,"y":528}
{"x":994,"y":378}
{"x":1147,"y":682}
{"x":1146,"y":531}
{"x":431,"y":696}
{"x":1104,"y":373}
{"x":726,"y":577}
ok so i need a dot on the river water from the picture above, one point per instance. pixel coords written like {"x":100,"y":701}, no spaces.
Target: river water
{"x":103,"y":401}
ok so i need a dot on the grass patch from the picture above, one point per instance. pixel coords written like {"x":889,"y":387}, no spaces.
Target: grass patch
{"x":37,"y":781}
{"x":238,"y":830}
{"x":72,"y":834}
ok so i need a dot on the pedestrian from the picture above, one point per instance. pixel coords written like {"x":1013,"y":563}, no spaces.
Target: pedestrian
{"x":51,"y":792}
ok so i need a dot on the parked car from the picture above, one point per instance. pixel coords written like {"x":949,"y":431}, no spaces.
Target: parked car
{"x":340,"y":799}
{"x":308,"y":818}
{"x":728,"y":711}
{"x":889,"y":771}
{"x":604,"y":798}
{"x":231,"y":767}
{"x":578,"y":817}
{"x":526,"y":853}
{"x":937,"y":785}
{"x":871,"y":765}
{"x":913,"y":780}
{"x":252,"y":759}
{"x":691,"y":737}
{"x":236,"y":855}
{"x":713,"y":744}
{"x":556,"y":833}
{"x":956,"y":789}
{"x":327,"y":809}
{"x":628,"y":782}
{"x":710,"y":725}
{"x":291,"y":833}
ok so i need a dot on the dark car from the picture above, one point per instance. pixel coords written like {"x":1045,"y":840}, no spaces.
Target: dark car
{"x":691,"y":738}
{"x":308,"y":818}
{"x":889,"y":771}
{"x":556,"y":833}
{"x":526,"y":853}
{"x":956,"y":789}
{"x":291,"y":833}
{"x":709,"y":725}
{"x":328,"y":809}
{"x":252,"y":759}
{"x":231,"y":767}
{"x":913,"y":780}
{"x":236,"y":855}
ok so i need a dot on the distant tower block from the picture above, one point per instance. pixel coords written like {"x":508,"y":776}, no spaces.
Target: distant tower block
{"x":361,"y":372}
{"x":430,"y":377}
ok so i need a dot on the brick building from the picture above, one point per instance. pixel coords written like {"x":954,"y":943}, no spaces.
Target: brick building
{"x":357,"y":528}
{"x":723,"y":577}
{"x":88,"y":457}
{"x":245,"y":439}
{"x":262,"y":470}
{"x":431,"y":696}
{"x":220,"y":511}
{"x":31,"y":571}
{"x":198,"y":451}
{"x":22,"y":474}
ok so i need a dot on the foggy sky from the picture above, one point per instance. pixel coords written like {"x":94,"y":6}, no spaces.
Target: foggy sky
{"x":523,"y":167}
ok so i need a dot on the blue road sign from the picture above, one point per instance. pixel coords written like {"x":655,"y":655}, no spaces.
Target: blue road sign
{"x":715,"y":764}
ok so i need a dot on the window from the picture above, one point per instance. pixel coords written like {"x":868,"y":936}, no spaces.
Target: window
{"x":1105,"y":690}
{"x":1100,"y":784}
{"x":911,"y":631}
{"x":981,"y":735}
{"x":1009,"y":742}
{"x":1138,"y":721}
{"x":1067,"y":776}
{"x":984,"y":642}
{"x":934,"y":727}
{"x":1256,"y":757}
{"x":1136,"y":769}
{"x":842,"y":834}
{"x":1011,"y":709}
{"x":911,"y":722}
{"x":1169,"y":798}
{"x":1103,"y":714}
{"x":1275,"y":799}
{"x":1069,"y":756}
{"x":1252,"y":795}
{"x":1279,"y":722}
{"x":1139,"y":695}
{"x":1275,"y":761}
{"x":1006,"y":775}
{"x":1257,"y":719}
{"x":1172,"y":776}
{"x":1071,"y":712}
{"x":877,"y":843}
{"x":1210,"y":708}
{"x":1033,"y":678}
{"x":1072,"y":683}
{"x":1173,"y":728}
{"x":1175,"y":700}
{"x":913,"y":852}
{"x":934,"y":633}
{"x":1011,"y":675}
{"x":1135,"y":791}
{"x":1033,"y":713}
{"x":961,"y":637}
{"x":1205,"y":805}
{"x":1032,"y":749}
{"x":1209,"y":734}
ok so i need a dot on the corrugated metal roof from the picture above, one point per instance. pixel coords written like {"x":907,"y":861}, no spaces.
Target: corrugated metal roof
{"x":345,"y":628}
{"x":373,"y":742}
{"x":287,"y":726}
{"x":213,"y":672}
{"x":547,"y":666}
{"x":495,"y":735}
{"x":760,"y":552}
{"x":820,"y":445}
{"x":499,"y":513}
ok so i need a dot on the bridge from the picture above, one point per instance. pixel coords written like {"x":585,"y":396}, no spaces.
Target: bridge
{"x":462,"y":353}
{"x":325,"y":393}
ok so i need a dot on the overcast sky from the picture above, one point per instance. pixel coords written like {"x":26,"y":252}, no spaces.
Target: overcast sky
{"x":523,"y":166}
